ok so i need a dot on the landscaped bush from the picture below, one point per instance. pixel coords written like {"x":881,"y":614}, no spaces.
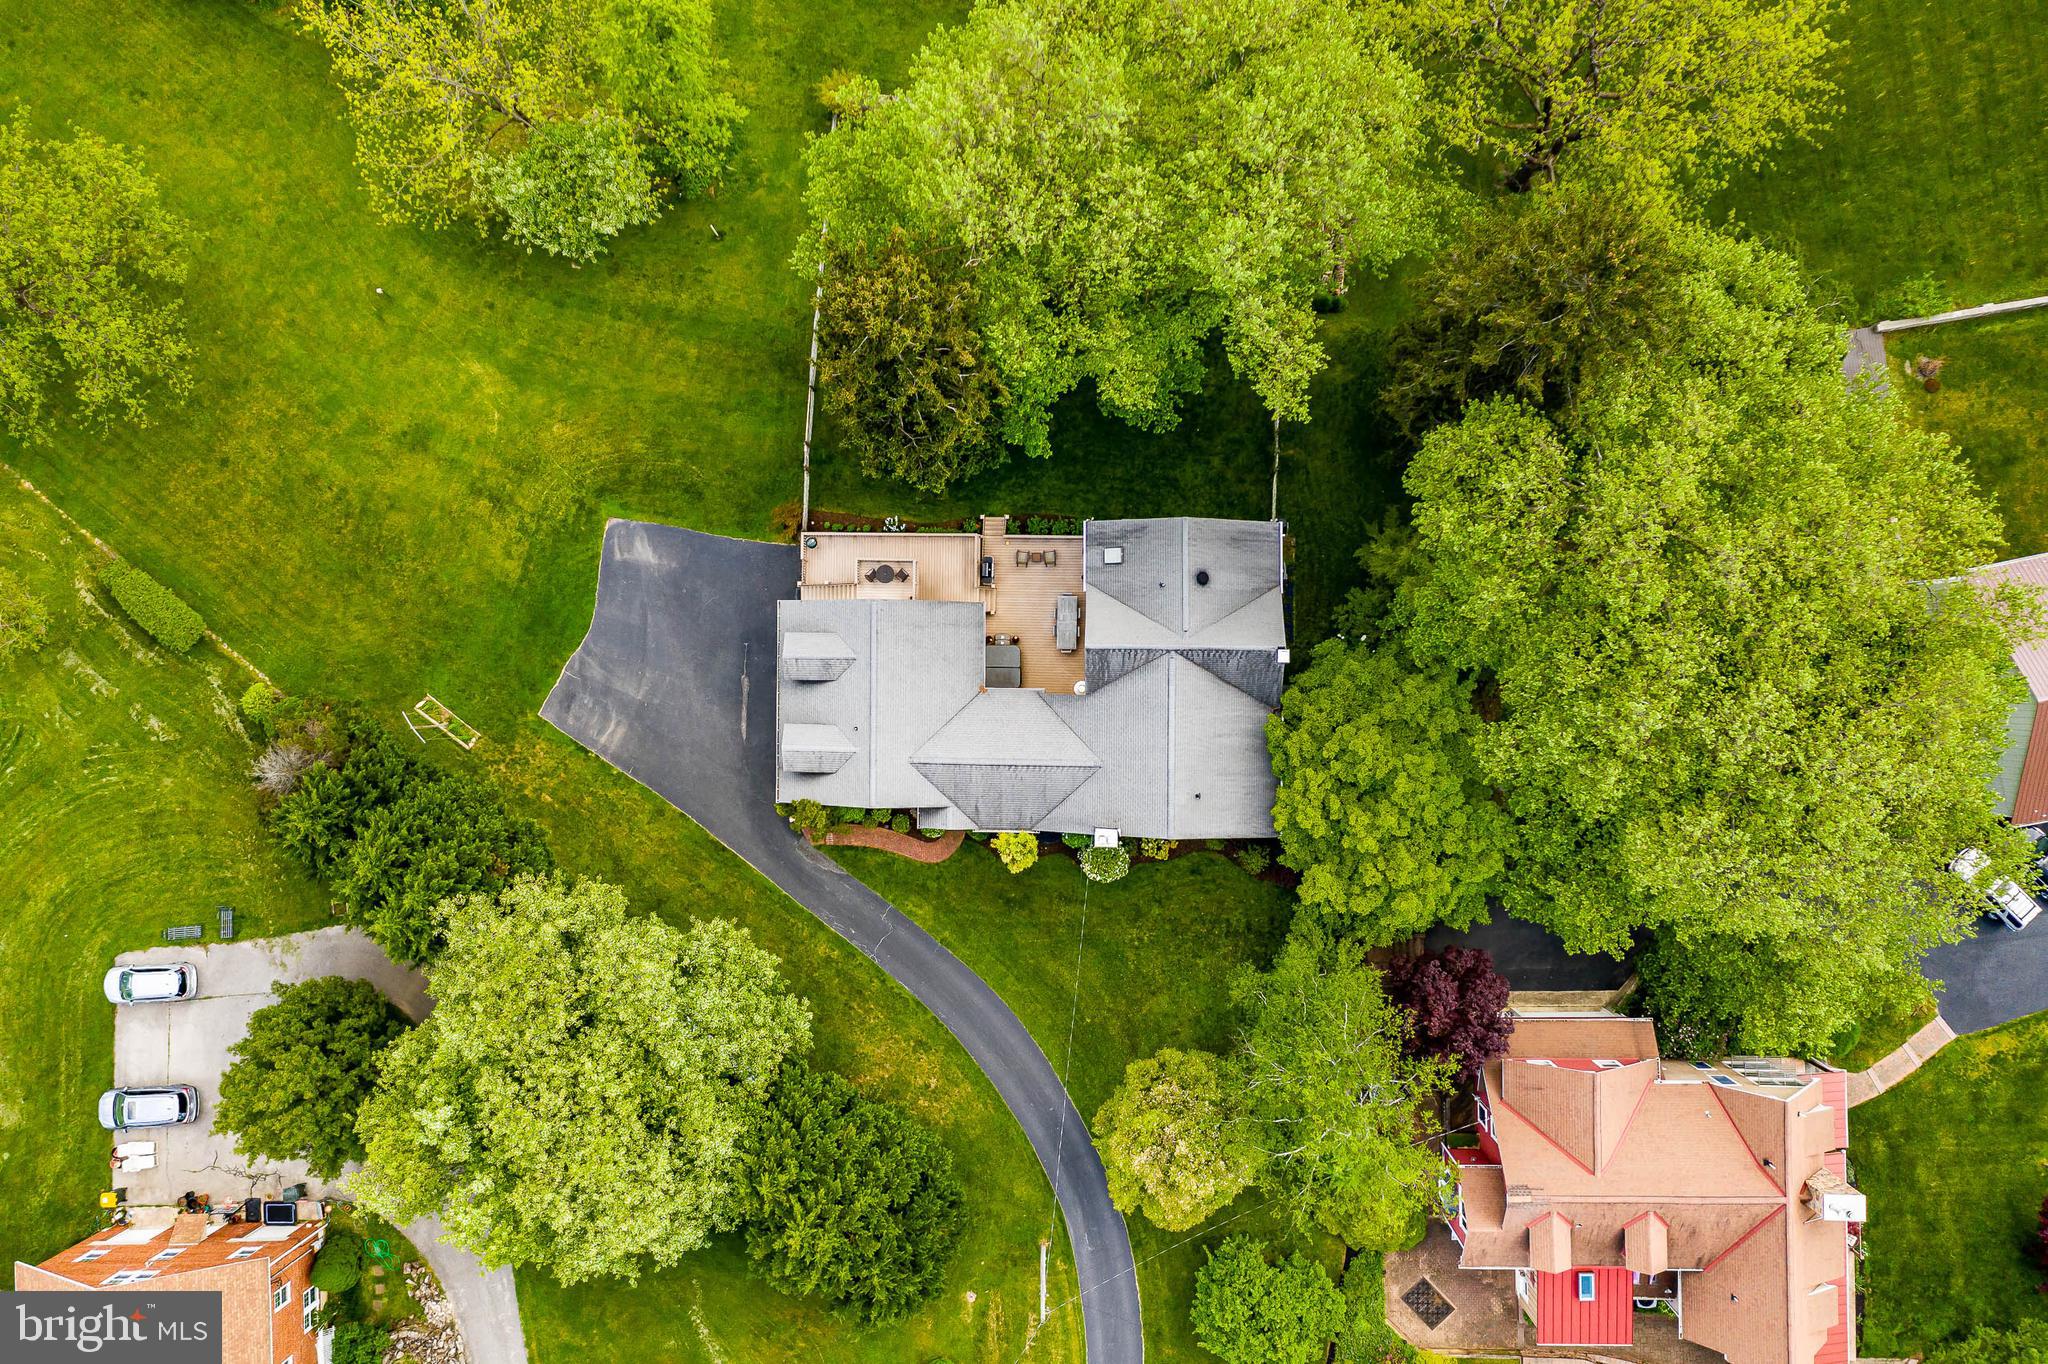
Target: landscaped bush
{"x":24,"y":620}
{"x":339,"y":1265}
{"x":1106,"y":864}
{"x":1254,"y":858}
{"x":153,"y":606}
{"x":277,"y":769}
{"x":260,"y":703}
{"x":848,"y":814}
{"x":1078,"y":841}
{"x":1250,"y":1311}
{"x":1158,"y":849}
{"x":1365,"y":1337}
{"x":875,"y":819}
{"x":358,"y":1342}
{"x":809,"y":817}
{"x":901,"y":824}
{"x":1018,"y":849}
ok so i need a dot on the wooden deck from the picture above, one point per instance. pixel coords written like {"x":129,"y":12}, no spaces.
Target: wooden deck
{"x":1024,"y":599}
{"x":948,"y":568}
{"x":942,"y":567}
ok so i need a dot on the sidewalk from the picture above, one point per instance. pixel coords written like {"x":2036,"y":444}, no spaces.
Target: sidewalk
{"x":1908,"y":1058}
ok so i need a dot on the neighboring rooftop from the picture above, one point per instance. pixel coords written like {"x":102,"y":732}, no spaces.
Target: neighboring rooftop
{"x":1724,"y":1185}
{"x":1154,"y":726}
{"x":2022,"y":781}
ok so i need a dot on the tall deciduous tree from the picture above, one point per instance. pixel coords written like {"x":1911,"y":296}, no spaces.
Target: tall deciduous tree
{"x":1538,"y":292}
{"x":901,"y":364}
{"x":1742,"y":704}
{"x":1625,"y":89}
{"x":1249,"y":1310}
{"x":1124,"y":180}
{"x":563,"y":121}
{"x":1172,"y":1142}
{"x":1380,"y":806}
{"x":304,"y":1069}
{"x":579,"y":1096}
{"x":849,"y":1199}
{"x":87,"y":255}
{"x":1457,"y":1006}
{"x":1331,"y":1095}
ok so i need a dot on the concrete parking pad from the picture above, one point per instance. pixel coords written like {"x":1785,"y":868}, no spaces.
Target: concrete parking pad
{"x":187,"y":1043}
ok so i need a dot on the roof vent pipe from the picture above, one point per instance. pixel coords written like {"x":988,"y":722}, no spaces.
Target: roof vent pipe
{"x":1201,"y":577}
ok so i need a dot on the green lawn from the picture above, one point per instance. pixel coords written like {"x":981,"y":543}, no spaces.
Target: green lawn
{"x":383,"y":497}
{"x":1934,"y":163}
{"x":1955,"y":1162}
{"x":124,"y":809}
{"x":1994,"y":391}
{"x":1151,"y":961}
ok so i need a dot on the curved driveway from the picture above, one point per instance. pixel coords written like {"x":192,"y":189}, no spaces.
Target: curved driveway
{"x":684,"y":630}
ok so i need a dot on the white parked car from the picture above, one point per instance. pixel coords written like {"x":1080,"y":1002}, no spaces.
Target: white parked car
{"x":151,"y":984}
{"x":2009,"y":904}
{"x":148,"y":1106}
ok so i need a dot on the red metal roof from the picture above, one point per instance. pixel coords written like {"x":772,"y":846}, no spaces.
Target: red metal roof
{"x":1608,"y":1318}
{"x":2030,"y":802}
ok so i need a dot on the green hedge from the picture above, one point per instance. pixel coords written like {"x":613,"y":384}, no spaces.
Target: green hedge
{"x":153,"y":606}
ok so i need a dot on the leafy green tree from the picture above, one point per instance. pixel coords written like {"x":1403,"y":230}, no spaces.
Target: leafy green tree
{"x":2026,"y":1343}
{"x":1329,"y":1096}
{"x":1737,"y":705}
{"x":852,"y":1200}
{"x":1631,"y":89}
{"x":87,"y":252}
{"x":565,"y":121}
{"x":1536,"y":293}
{"x":302,"y":1071}
{"x":1380,"y":805}
{"x":358,"y":1342}
{"x":445,"y":835}
{"x":574,"y":185}
{"x":1171,"y":1140}
{"x":1248,"y":1310}
{"x":1125,"y":180}
{"x":900,"y":360}
{"x":578,"y":1097}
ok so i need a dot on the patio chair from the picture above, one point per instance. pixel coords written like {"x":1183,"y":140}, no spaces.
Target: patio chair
{"x":1052,"y":558}
{"x":1023,"y":558}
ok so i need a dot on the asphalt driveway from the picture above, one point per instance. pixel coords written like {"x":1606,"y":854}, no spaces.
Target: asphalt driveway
{"x":1993,"y":978}
{"x":675,"y":686}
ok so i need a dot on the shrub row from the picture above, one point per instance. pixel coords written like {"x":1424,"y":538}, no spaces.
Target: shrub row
{"x":154,"y":607}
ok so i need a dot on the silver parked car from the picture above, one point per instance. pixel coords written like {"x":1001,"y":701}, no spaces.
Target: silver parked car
{"x":148,"y":1106}
{"x":2005,"y":901}
{"x":151,"y":984}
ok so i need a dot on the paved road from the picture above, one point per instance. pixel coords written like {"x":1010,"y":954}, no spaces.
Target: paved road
{"x":656,"y":690}
{"x":1993,"y":978}
{"x":188,"y":1043}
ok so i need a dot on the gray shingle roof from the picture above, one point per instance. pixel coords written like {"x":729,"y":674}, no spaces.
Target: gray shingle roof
{"x":883,"y":703}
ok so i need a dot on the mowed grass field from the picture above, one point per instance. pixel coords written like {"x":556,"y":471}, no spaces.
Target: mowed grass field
{"x":1937,"y":164}
{"x":380,"y":496}
{"x":1955,"y":1163}
{"x":1102,"y":975}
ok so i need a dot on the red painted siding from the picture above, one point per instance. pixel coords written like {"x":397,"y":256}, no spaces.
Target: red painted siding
{"x":1561,"y":1319}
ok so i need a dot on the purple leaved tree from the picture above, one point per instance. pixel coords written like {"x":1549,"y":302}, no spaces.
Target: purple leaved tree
{"x":1458,"y":1002}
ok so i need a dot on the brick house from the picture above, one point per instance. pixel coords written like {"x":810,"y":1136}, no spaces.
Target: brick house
{"x":1613,"y":1181}
{"x":264,"y":1275}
